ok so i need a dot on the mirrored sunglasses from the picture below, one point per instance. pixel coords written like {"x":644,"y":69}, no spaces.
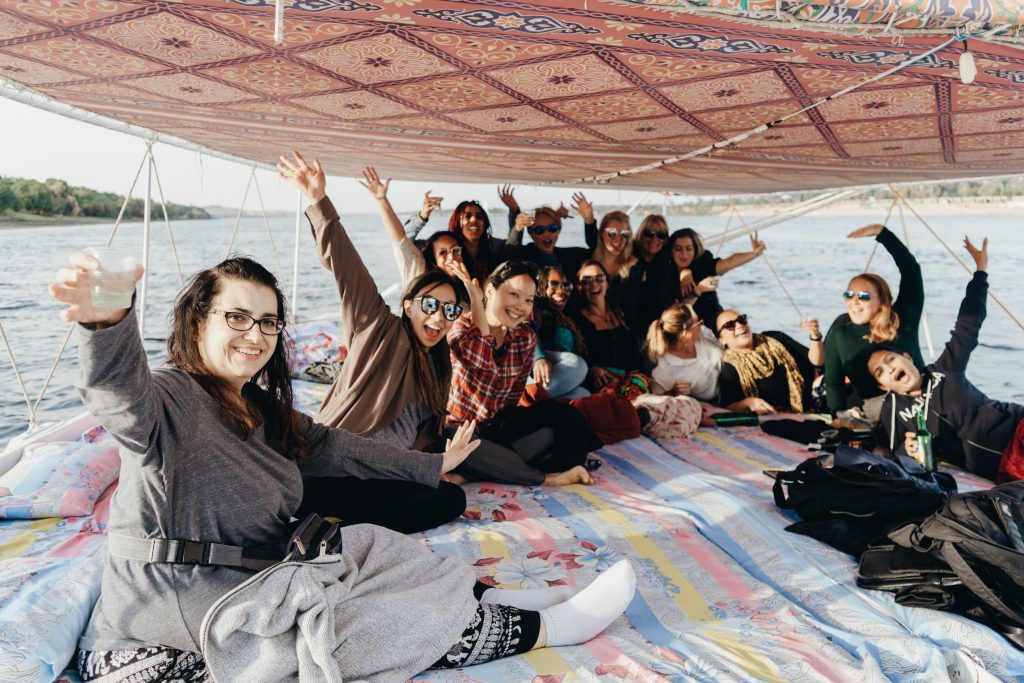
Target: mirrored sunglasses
{"x":731,"y":324}
{"x":558,"y":284}
{"x":454,"y":251}
{"x":861,"y":296}
{"x":430,"y":304}
{"x":614,"y":233}
{"x":540,"y":229}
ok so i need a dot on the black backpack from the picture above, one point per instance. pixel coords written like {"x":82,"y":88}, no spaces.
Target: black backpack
{"x":980,"y":538}
{"x":848,"y":498}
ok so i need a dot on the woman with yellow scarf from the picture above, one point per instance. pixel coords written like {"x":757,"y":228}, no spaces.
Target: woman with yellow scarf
{"x":769,"y":372}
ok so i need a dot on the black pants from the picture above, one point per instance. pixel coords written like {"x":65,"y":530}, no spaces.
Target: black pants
{"x":520,"y":444}
{"x":403,"y":506}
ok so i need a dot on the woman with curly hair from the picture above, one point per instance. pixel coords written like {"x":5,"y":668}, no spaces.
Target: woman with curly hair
{"x":558,"y":363}
{"x":872,"y":317}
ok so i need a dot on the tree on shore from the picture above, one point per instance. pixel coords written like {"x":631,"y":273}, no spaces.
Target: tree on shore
{"x":56,"y":198}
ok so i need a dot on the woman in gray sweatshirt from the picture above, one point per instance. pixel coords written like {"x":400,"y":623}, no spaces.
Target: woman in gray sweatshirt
{"x":212,"y":460}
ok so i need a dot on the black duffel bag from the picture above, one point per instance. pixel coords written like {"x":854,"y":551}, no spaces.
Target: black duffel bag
{"x":852,"y":496}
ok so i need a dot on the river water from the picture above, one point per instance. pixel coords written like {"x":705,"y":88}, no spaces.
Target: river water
{"x":811,"y":255}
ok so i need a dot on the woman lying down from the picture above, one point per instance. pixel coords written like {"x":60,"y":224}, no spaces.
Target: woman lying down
{"x":212,"y":452}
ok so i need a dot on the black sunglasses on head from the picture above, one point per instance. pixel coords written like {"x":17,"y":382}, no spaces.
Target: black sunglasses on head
{"x":430,"y":304}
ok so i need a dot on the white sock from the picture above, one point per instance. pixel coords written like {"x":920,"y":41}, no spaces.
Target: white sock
{"x":590,"y":611}
{"x":533,"y":599}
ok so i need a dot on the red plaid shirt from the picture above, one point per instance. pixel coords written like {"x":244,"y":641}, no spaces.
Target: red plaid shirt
{"x":487,"y":379}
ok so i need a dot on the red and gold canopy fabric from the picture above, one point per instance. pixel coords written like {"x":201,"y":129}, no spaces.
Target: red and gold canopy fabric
{"x":547,"y":91}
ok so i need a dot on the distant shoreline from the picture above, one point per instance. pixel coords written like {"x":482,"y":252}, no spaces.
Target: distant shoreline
{"x":37,"y":221}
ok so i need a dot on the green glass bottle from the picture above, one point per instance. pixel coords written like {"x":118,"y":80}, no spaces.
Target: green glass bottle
{"x":924,"y":442}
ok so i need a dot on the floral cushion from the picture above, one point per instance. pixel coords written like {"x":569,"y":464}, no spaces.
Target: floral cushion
{"x":316,"y":352}
{"x":58,"y":479}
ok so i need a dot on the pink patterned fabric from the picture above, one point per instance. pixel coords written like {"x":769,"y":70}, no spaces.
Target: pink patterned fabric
{"x":672,"y":417}
{"x":58,"y":479}
{"x":545,"y":91}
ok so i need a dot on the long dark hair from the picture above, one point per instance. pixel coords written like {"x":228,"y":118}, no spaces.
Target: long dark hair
{"x":433,"y":366}
{"x":668,"y":268}
{"x":551,"y":317}
{"x":270,"y":389}
{"x":428,"y":247}
{"x":480,"y":265}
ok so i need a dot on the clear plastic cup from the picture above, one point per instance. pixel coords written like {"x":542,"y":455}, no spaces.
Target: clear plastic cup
{"x":113,"y":283}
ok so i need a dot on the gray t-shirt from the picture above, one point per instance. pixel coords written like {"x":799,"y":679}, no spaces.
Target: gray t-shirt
{"x":187,"y":474}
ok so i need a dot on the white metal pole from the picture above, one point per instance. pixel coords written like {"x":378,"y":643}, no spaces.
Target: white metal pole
{"x":146,"y":208}
{"x":295,"y":257}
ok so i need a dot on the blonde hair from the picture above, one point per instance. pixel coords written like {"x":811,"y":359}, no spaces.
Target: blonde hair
{"x":664,"y":332}
{"x":623,"y":261}
{"x":885,"y":323}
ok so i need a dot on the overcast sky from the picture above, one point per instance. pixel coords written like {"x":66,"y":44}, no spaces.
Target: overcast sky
{"x":38,"y":144}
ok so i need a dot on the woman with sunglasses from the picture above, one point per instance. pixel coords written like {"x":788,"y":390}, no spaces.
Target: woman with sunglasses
{"x":472,"y":229}
{"x":492,"y":356}
{"x":691,"y":272}
{"x":872,"y":317}
{"x":544,"y":227}
{"x":769,"y":372}
{"x":398,"y":397}
{"x":212,"y":461}
{"x":611,"y":349}
{"x":687,"y":359}
{"x":558,"y":364}
{"x":641,"y":296}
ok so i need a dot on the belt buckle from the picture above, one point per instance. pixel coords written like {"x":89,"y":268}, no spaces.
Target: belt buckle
{"x":192,"y":552}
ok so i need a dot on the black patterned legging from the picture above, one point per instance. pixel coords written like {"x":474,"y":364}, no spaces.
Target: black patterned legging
{"x":496,"y":631}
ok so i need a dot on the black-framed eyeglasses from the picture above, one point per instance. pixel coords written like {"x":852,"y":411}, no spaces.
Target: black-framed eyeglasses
{"x":731,"y":324}
{"x":540,"y":229}
{"x":587,"y":279}
{"x":861,"y":296}
{"x":243,"y":322}
{"x":430,"y":304}
{"x":655,"y":233}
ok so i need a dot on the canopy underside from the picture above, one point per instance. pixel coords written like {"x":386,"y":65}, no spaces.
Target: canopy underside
{"x":548,"y":91}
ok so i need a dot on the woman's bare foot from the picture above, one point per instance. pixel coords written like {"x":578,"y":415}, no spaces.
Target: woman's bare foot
{"x":576,"y":475}
{"x":453,"y":478}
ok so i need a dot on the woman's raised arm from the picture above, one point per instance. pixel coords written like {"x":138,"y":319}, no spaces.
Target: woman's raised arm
{"x":114,"y":381}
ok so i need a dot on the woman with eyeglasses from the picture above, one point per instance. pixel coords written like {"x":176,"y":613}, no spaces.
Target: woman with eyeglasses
{"x":544,"y":226}
{"x":872,"y":317}
{"x":691,"y":272}
{"x":641,"y":297}
{"x":492,"y":350}
{"x":687,"y":359}
{"x":558,"y":363}
{"x":768,"y":372}
{"x":398,"y":397}
{"x":611,"y":349}
{"x":213,"y":460}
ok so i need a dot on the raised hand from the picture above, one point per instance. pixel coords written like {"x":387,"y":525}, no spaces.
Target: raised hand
{"x":505,"y":194}
{"x":311,"y":180}
{"x":73,"y":287}
{"x":523,"y":221}
{"x":810,"y":326}
{"x":867,"y":231}
{"x":980,"y":256}
{"x":583,"y":207}
{"x":562,"y":212}
{"x":430,"y":205}
{"x":372,"y":182}
{"x":459,"y":446}
{"x":756,"y":245}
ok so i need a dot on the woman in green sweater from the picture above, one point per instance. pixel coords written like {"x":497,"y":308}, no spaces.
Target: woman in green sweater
{"x":872,"y":317}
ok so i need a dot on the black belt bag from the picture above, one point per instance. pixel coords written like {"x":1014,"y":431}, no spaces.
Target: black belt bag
{"x":313,"y":537}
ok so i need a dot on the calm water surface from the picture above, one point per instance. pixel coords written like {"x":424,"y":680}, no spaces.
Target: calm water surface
{"x":811,"y":255}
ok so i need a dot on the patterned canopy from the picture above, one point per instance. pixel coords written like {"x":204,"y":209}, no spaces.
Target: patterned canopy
{"x":549,"y":90}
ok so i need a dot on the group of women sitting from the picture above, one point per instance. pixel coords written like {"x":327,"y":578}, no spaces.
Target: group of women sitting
{"x":429,"y":396}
